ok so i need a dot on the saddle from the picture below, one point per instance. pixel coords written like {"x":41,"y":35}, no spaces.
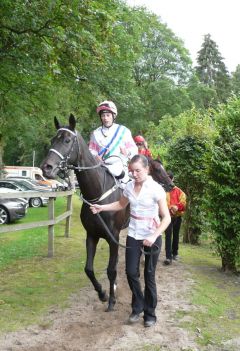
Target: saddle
{"x":117,"y":168}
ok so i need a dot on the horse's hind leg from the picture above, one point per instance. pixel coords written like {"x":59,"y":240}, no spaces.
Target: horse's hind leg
{"x":112,"y":274}
{"x":91,"y":245}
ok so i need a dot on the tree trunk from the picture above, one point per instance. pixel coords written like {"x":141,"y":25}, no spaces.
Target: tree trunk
{"x":1,"y":152}
{"x":228,"y":262}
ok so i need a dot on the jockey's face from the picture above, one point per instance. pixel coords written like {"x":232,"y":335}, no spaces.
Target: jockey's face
{"x":107,"y":119}
{"x":139,"y":172}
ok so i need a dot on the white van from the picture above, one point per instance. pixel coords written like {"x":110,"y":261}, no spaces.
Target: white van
{"x":34,"y":173}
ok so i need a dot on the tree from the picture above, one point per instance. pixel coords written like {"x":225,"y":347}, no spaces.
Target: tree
{"x":182,"y":143}
{"x":235,"y":82}
{"x":223,"y":191}
{"x":211,"y":69}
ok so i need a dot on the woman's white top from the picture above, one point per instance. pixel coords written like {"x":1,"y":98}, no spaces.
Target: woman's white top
{"x":144,"y":209}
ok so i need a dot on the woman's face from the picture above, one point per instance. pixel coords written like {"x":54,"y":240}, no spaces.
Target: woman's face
{"x":139,"y":172}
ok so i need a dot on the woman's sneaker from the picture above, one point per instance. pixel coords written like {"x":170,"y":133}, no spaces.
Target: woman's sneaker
{"x":149,"y":323}
{"x":167,"y":262}
{"x":133,"y":318}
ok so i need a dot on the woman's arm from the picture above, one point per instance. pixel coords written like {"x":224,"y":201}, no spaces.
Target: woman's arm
{"x":165,"y":221}
{"x":114,"y":206}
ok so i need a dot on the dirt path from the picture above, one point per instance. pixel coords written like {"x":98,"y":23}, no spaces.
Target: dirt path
{"x":86,"y":326}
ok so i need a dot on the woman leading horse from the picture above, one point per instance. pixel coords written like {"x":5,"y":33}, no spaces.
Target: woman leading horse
{"x":97,"y":186}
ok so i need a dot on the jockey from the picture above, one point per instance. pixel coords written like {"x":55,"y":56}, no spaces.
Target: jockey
{"x":112,"y":143}
{"x":142,"y":146}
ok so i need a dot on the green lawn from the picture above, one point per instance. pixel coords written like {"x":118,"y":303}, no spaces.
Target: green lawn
{"x":216,"y":293}
{"x":30,"y":282}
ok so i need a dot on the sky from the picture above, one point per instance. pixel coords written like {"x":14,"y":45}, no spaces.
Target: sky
{"x":190,"y":20}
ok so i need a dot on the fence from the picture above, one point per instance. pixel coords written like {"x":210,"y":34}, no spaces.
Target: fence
{"x":51,"y":214}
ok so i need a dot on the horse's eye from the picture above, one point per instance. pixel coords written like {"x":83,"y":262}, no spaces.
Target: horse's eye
{"x":67,"y":140}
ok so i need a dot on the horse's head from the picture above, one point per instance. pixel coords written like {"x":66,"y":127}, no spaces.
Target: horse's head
{"x":63,"y":151}
{"x":160,"y":175}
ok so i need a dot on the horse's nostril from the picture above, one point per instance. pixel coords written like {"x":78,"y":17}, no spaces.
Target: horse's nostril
{"x":47,"y":167}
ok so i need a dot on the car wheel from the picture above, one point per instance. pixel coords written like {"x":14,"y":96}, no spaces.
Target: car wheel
{"x":35,"y":202}
{"x":4,"y":216}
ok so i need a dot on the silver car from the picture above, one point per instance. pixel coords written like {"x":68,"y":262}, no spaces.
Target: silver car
{"x":33,"y":201}
{"x":12,"y":209}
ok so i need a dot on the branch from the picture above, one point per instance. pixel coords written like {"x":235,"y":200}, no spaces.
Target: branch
{"x":28,"y":30}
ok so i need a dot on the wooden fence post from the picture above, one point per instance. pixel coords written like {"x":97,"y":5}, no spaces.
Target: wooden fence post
{"x":51,"y":227}
{"x":68,"y":219}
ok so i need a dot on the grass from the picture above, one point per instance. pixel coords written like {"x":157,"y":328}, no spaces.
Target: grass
{"x":30,"y":282}
{"x":215,"y":293}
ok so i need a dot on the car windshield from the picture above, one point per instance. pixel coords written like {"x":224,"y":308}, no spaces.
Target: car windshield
{"x":27,"y":186}
{"x":22,"y":186}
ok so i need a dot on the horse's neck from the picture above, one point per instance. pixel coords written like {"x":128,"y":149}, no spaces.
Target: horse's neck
{"x":92,"y":182}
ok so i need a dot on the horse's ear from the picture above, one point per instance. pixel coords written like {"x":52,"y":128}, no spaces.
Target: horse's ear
{"x":57,"y":124}
{"x":72,"y":122}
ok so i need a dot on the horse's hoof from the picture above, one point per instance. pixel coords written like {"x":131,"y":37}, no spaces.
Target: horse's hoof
{"x":103,"y":296}
{"x":110,"y":308}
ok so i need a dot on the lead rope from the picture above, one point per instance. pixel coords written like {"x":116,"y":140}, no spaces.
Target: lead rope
{"x":104,"y":225}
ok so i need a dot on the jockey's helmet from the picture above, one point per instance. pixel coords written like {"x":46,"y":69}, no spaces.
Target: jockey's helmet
{"x":107,"y":106}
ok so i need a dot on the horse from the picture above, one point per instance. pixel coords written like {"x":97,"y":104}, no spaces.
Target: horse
{"x":70,"y":151}
{"x":159,"y":174}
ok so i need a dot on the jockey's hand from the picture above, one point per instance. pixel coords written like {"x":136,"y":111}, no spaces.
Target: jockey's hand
{"x":173,"y":209}
{"x":96,"y":208}
{"x":99,"y":158}
{"x":123,"y":151}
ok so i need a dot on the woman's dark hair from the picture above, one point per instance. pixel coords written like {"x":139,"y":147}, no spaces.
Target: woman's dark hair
{"x":137,"y":158}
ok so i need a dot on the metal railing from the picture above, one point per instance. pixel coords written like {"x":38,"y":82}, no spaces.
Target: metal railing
{"x":52,"y":220}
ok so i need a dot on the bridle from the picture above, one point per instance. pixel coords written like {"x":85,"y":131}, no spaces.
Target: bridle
{"x":63,"y":164}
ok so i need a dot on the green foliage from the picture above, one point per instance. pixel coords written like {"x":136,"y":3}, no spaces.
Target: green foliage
{"x":181,"y":143}
{"x":61,"y":57}
{"x":235,"y":81}
{"x":223,"y":191}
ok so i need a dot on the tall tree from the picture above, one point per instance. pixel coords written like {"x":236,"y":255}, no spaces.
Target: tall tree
{"x":211,"y":69}
{"x":236,"y":81}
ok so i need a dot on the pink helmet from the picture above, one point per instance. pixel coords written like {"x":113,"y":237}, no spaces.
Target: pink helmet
{"x":107,"y":106}
{"x":139,"y":139}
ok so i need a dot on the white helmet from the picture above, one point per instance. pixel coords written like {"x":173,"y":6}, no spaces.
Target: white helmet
{"x":107,"y":106}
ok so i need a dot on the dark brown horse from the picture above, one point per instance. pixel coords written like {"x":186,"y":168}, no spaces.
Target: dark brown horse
{"x":69,"y":151}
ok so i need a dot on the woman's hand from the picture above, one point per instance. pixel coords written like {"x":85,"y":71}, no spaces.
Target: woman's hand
{"x":96,"y":208}
{"x":150,"y":240}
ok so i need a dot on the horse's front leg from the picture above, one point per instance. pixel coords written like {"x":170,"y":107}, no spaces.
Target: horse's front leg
{"x":91,"y":245}
{"x":112,"y":274}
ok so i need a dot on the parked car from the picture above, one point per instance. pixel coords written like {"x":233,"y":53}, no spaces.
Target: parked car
{"x":12,"y":209}
{"x":33,"y":201}
{"x":27,"y":180}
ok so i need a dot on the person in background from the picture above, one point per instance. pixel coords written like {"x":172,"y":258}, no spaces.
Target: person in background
{"x":176,"y":201}
{"x":142,"y":146}
{"x":147,"y":200}
{"x":112,"y":143}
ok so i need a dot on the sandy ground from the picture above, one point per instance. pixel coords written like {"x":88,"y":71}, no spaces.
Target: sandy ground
{"x":86,"y":326}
